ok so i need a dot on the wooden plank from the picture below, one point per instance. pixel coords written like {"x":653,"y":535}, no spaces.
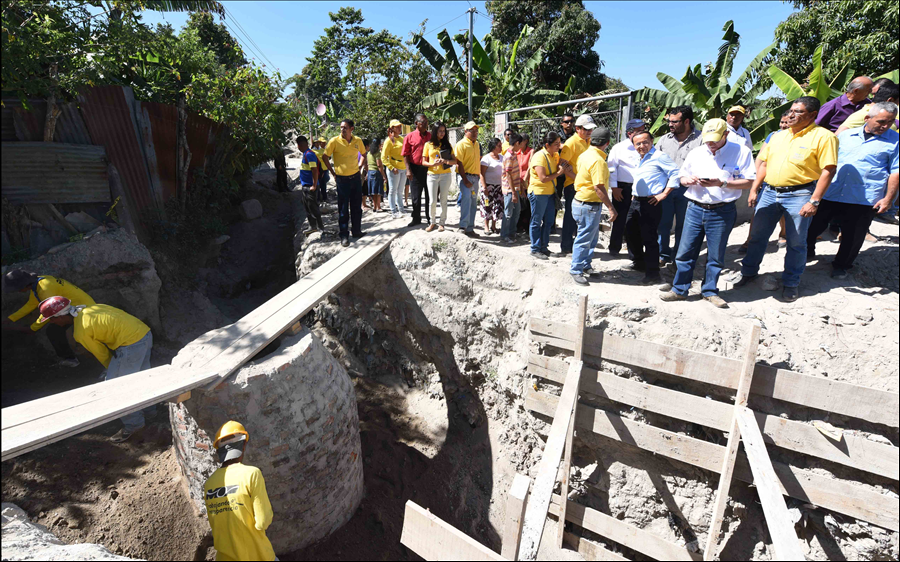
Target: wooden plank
{"x":591,"y":550}
{"x":734,"y":441}
{"x":623,"y":533}
{"x":778,"y":520}
{"x":853,"y":451}
{"x":536,"y":512}
{"x":434,"y":539}
{"x":515,"y":512}
{"x":183,"y":397}
{"x":40,"y":422}
{"x":840,"y":496}
{"x":851,"y":400}
{"x":581,"y":322}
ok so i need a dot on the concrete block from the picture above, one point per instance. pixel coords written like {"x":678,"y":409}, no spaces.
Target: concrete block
{"x":251,"y":209}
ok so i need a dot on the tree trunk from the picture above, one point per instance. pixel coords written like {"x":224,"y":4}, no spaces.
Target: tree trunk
{"x":52,"y":109}
{"x":182,"y":154}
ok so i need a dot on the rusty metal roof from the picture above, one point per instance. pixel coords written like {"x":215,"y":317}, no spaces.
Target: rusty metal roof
{"x":22,"y":125}
{"x":53,"y":172}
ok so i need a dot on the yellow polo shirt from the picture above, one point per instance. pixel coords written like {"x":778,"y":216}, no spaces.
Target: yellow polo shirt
{"x":469,"y":155}
{"x":543,"y":158}
{"x":592,"y":170}
{"x":345,"y":155}
{"x":102,"y":329}
{"x":574,"y":147}
{"x":504,"y":147}
{"x":429,"y":152}
{"x":391,"y":153}
{"x":797,"y":159}
{"x":47,"y":287}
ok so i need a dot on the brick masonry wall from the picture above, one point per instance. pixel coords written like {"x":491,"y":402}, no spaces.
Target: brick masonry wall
{"x":299,"y":407}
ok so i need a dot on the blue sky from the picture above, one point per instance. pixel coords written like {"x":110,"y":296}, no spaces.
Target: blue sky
{"x":637,"y":39}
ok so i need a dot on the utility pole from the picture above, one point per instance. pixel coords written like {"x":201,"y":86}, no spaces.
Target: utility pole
{"x":471,"y":12}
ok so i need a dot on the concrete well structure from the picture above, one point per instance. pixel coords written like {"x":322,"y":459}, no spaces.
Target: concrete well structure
{"x":299,"y":406}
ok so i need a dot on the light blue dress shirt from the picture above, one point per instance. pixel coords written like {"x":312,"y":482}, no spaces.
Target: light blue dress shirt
{"x":655,"y":172}
{"x":863,"y":167}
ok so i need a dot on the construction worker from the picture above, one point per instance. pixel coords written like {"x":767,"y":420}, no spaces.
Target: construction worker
{"x":41,"y":287}
{"x":237,"y":504}
{"x":318,"y":149}
{"x":117,"y":339}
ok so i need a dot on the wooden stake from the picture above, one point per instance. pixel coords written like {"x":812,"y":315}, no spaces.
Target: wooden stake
{"x":734,"y":439}
{"x":515,"y":512}
{"x":570,"y":434}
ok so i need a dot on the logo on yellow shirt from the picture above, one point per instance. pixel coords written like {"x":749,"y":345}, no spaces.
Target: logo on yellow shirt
{"x":221,"y":492}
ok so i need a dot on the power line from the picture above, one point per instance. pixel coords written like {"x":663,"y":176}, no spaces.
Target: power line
{"x":443,"y":24}
{"x":249,"y":40}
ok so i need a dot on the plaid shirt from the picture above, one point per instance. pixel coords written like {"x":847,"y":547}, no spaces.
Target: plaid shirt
{"x":512,"y":177}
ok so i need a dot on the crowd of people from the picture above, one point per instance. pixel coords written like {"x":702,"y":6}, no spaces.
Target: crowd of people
{"x":683,"y":185}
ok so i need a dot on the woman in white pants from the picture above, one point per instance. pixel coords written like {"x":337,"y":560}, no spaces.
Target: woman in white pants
{"x":438,"y":156}
{"x":396,"y":167}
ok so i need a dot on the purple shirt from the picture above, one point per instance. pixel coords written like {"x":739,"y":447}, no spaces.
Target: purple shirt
{"x":835,"y":112}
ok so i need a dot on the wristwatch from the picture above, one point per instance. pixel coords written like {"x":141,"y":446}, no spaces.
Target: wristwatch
{"x":814,"y":203}
{"x":724,"y":184}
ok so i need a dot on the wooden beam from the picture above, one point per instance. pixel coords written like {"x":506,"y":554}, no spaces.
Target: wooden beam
{"x":623,"y":533}
{"x":515,"y":512}
{"x":434,"y":539}
{"x":536,"y":512}
{"x":823,"y":491}
{"x":778,"y":520}
{"x":183,"y":397}
{"x":570,"y":433}
{"x":853,"y":451}
{"x":876,"y":406}
{"x":734,"y":440}
{"x":591,"y":550}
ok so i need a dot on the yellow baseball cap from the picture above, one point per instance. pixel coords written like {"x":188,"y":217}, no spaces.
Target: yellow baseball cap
{"x":739,"y":108}
{"x":321,"y":139}
{"x":714,"y":130}
{"x":395,"y":123}
{"x":470,"y":125}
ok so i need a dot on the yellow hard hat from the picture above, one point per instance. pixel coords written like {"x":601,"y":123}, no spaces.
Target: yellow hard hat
{"x":230,"y":429}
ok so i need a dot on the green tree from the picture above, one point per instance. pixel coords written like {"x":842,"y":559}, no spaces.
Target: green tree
{"x":216,"y":37}
{"x":563,"y":29}
{"x":859,"y":33}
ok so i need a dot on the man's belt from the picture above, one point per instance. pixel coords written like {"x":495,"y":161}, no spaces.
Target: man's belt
{"x":591,"y":203}
{"x":709,"y":206}
{"x":791,"y":188}
{"x":647,"y":198}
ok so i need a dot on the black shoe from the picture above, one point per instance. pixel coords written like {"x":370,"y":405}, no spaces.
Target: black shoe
{"x":563,"y":253}
{"x":547,"y":253}
{"x":413,"y":223}
{"x":360,"y":235}
{"x":738,"y":280}
{"x":590,"y":272}
{"x":634,"y":266}
{"x":614,"y":253}
{"x":345,"y":242}
{"x":651,"y":280}
{"x":472,"y":234}
{"x":838,"y":273}
{"x":538,"y":255}
{"x":579,"y":279}
{"x":790,"y":294}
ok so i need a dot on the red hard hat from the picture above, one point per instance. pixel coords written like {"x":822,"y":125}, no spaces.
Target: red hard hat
{"x":53,"y":306}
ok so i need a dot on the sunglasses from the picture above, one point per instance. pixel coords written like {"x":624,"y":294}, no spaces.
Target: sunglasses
{"x":569,"y":122}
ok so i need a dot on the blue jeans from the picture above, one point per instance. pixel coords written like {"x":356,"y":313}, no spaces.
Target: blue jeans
{"x":587,"y":217}
{"x":468,"y":202}
{"x":543,"y":214}
{"x":396,"y":186}
{"x":510,"y":216}
{"x":376,"y":183}
{"x":769,"y":208}
{"x":127,"y":360}
{"x":349,"y":189}
{"x":673,"y":207}
{"x":715,"y":225}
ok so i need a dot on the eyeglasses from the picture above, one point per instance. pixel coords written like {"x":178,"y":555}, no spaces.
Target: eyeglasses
{"x":569,"y":122}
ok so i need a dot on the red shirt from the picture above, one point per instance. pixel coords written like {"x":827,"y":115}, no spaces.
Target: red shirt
{"x":413,"y":144}
{"x":524,"y":157}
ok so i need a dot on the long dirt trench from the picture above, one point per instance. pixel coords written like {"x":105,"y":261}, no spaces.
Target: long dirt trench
{"x":433,"y":336}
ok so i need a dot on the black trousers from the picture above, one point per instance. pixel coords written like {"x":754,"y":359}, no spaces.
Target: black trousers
{"x":524,"y":224}
{"x":618,"y":226}
{"x":57,"y":336}
{"x":640,"y":234}
{"x":349,"y":191}
{"x":854,"y":221}
{"x":417,"y":186}
{"x":569,"y":227}
{"x":311,"y":204}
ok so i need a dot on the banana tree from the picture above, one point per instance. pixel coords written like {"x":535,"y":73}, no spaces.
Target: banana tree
{"x":498,"y":81}
{"x":709,"y":91}
{"x":817,"y":85}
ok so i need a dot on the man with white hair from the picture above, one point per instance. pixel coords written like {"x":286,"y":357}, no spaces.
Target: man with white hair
{"x":865,"y":184}
{"x":836,"y":111}
{"x":623,"y":161}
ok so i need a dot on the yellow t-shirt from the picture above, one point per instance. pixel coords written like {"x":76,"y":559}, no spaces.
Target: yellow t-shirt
{"x":429,"y":152}
{"x":542,"y":158}
{"x":468,"y":153}
{"x":504,"y":147}
{"x":101,"y":328}
{"x":592,"y":170}
{"x":345,"y":155}
{"x":239,"y":513}
{"x":858,"y":119}
{"x":570,"y":151}
{"x":391,"y":153}
{"x":318,"y":152}
{"x":47,"y":287}
{"x":797,"y":159}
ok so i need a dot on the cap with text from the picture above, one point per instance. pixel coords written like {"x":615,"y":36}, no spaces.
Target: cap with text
{"x":714,"y":130}
{"x":586,"y":122}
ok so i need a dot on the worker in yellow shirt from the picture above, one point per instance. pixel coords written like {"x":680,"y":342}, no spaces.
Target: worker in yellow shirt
{"x":571,"y":149}
{"x":346,"y":149}
{"x":467,"y":153}
{"x":591,"y":191}
{"x":545,"y":168}
{"x":121,"y":342}
{"x":41,"y":287}
{"x":237,"y":504}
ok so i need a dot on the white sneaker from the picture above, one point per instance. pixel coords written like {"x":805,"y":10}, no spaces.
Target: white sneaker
{"x":71,"y":362}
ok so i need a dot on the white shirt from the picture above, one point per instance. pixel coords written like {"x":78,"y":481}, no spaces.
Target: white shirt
{"x":740,"y":136}
{"x":623,"y":161}
{"x":733,"y":161}
{"x":494,"y":173}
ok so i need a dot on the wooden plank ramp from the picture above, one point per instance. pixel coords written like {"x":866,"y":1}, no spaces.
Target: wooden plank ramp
{"x":34,"y":424}
{"x":434,"y":539}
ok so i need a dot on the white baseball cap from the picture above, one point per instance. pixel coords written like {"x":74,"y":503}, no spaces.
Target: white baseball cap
{"x":585,"y":121}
